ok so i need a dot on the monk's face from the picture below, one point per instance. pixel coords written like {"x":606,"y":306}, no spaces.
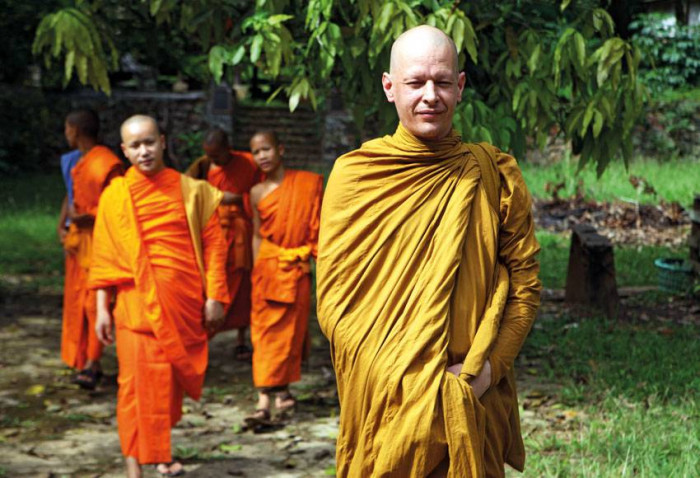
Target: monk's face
{"x":425,"y":86}
{"x":218,"y":153}
{"x":267,"y":154}
{"x":143,"y":145}
{"x":71,"y":133}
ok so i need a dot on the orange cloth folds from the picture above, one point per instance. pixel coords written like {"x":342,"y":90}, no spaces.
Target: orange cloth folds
{"x":414,"y":276}
{"x":78,"y":339}
{"x":289,"y":218}
{"x":238,"y":177}
{"x":145,"y":247}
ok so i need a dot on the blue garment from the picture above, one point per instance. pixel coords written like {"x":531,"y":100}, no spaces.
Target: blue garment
{"x":68,"y":162}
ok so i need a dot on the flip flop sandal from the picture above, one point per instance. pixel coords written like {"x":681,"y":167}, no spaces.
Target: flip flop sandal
{"x":169,"y":474}
{"x":259,"y":417}
{"x":88,"y":379}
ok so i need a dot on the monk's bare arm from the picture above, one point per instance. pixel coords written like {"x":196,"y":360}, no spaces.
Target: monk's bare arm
{"x":61,"y":226}
{"x":255,"y":194}
{"x":104,"y":326}
{"x":214,"y":252}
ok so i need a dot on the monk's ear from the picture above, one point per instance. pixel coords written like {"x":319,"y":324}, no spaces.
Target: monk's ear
{"x":461,"y":81}
{"x":387,"y":85}
{"x":280,"y":149}
{"x":163,"y":144}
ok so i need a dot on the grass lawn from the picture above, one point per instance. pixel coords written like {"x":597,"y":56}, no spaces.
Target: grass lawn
{"x":29,"y":208}
{"x":674,"y":180}
{"x":633,"y":389}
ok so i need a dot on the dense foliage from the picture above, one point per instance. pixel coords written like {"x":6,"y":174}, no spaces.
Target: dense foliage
{"x":671,"y":52}
{"x":533,"y":67}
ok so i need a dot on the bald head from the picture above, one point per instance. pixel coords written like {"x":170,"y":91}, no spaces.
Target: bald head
{"x":421,"y":37}
{"x":216,"y":137}
{"x":142,"y":144}
{"x":85,"y":122}
{"x":138,"y":121}
{"x":424,"y":82}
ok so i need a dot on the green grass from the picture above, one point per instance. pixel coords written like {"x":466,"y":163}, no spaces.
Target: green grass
{"x":634,"y":266}
{"x":674,"y":180}
{"x":29,"y":208}
{"x":637,"y":390}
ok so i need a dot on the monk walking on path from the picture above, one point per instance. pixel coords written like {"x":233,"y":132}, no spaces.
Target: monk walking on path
{"x":159,"y":258}
{"x":286,"y":209}
{"x":427,"y":284}
{"x":98,"y":165}
{"x":234,"y":173}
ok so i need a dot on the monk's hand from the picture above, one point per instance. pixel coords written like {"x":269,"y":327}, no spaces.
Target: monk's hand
{"x":213,"y":315}
{"x":104,"y":326}
{"x":481,"y":383}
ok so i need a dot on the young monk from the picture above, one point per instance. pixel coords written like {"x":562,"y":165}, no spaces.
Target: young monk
{"x":80,"y":348}
{"x":234,"y":173}
{"x":286,"y":210}
{"x":160,"y":254}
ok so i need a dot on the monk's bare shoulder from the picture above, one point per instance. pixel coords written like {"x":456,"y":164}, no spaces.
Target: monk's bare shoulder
{"x":256,"y":192}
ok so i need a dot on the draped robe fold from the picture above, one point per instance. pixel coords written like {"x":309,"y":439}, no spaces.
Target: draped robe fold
{"x":418,"y":271}
{"x":238,"y":177}
{"x":78,"y":339}
{"x":158,"y":242}
{"x":289,"y":219}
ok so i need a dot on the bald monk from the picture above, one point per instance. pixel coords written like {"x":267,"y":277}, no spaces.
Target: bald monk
{"x":234,"y":173}
{"x":286,"y":208}
{"x":427,"y":284}
{"x":159,"y":258}
{"x":98,"y":165}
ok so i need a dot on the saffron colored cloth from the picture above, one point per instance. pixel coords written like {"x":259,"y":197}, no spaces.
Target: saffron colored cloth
{"x":289,"y":220}
{"x":89,"y":177}
{"x":417,"y":271}
{"x":68,"y":162}
{"x":145,"y":249}
{"x":238,"y":177}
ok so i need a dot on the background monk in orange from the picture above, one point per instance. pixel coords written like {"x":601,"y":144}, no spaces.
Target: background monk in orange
{"x":234,"y":173}
{"x":80,"y":348}
{"x":160,"y":258}
{"x":286,"y":210}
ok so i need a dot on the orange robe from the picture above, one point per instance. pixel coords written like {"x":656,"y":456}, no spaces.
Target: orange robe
{"x":90,"y":176}
{"x":289,"y":220}
{"x":158,"y":242}
{"x":238,"y":177}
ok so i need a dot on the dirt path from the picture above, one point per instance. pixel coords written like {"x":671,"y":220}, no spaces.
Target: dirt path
{"x":50,"y":428}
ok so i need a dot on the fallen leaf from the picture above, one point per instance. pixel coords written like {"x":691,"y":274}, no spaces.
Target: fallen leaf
{"x":230,"y":448}
{"x":35,"y":390}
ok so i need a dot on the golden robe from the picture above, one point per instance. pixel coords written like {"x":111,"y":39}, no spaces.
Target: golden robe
{"x":159,"y":244}
{"x":423,"y":265}
{"x":79,"y":341}
{"x":289,"y":219}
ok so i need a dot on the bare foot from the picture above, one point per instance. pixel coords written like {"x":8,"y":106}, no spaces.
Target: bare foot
{"x":174,"y":468}
{"x":133,"y":469}
{"x":285,"y":401}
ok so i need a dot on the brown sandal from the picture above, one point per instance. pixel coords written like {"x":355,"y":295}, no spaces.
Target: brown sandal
{"x":259,"y":417}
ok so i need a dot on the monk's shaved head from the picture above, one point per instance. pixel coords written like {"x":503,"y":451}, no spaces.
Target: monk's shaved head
{"x":424,"y":82}
{"x":423,"y":36}
{"x":216,"y":137}
{"x":86,"y":122}
{"x":138,"y":120}
{"x":271,"y":135}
